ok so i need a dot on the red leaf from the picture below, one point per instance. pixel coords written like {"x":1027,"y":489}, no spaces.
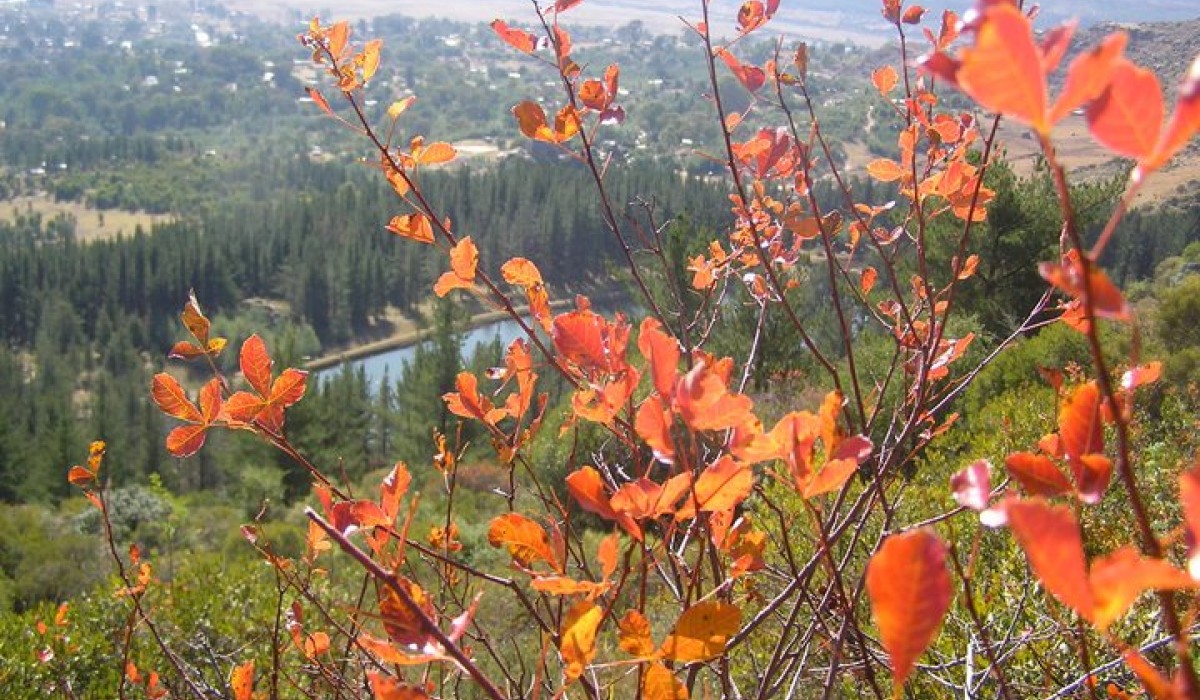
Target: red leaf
{"x":1185,"y":122}
{"x":171,"y":399}
{"x":80,"y":476}
{"x":653,"y":424}
{"x":1037,"y":474}
{"x":751,"y":77}
{"x":319,"y":99}
{"x":289,"y":387}
{"x":1088,"y":75}
{"x":910,"y":591}
{"x":185,"y":350}
{"x":1003,"y":70}
{"x":884,"y":79}
{"x":1050,"y":538}
{"x":662,"y":352}
{"x":210,"y":400}
{"x":564,"y":5}
{"x":1127,"y":117}
{"x":1107,"y":300}
{"x":518,"y":39}
{"x":1119,"y":578}
{"x":256,"y":365}
{"x":1079,"y":422}
{"x":186,"y":440}
{"x":1134,"y":377}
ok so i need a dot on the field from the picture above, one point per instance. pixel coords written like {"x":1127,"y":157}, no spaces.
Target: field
{"x":90,"y":224}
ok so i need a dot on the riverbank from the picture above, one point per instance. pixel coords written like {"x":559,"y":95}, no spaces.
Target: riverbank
{"x":411,"y":336}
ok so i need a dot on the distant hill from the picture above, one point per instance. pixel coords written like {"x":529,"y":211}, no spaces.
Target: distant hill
{"x":854,"y":21}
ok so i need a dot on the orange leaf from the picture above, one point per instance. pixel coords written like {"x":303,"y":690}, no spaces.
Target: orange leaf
{"x":1107,"y":300}
{"x":256,"y":365}
{"x":519,"y":39}
{"x":884,"y":79}
{"x":337,"y":38}
{"x":1120,"y":577}
{"x":751,"y":16}
{"x":832,"y":476}
{"x":587,"y":489}
{"x":751,"y":77}
{"x":702,"y":631}
{"x":521,"y":272}
{"x":606,"y":554}
{"x":910,"y":591}
{"x":578,"y":645}
{"x":1050,"y":537}
{"x":1003,"y":70}
{"x":561,"y":585}
{"x":388,"y":688}
{"x":316,"y":644}
{"x":1184,"y":124}
{"x":723,"y":485}
{"x":653,"y":424}
{"x":646,"y":499}
{"x":1037,"y":474}
{"x":402,"y":623}
{"x":1092,"y":474}
{"x":1079,"y":422}
{"x":171,"y":399}
{"x":1127,"y":117}
{"x":634,"y":636}
{"x":412,"y":226}
{"x":704,"y":403}
{"x":1148,"y":373}
{"x":370,"y":58}
{"x":464,"y":257}
{"x":564,"y":5}
{"x":319,"y":99}
{"x":594,"y":95}
{"x":532,"y":120}
{"x":885,"y":170}
{"x":80,"y":476}
{"x":288,"y":387}
{"x":525,"y":540}
{"x":867,"y":281}
{"x":662,"y":352}
{"x":566,"y":124}
{"x":241,"y":682}
{"x":1088,"y":75}
{"x":658,"y":683}
{"x":434,"y":153}
{"x":194,"y":320}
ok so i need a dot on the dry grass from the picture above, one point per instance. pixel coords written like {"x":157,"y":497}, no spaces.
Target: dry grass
{"x":90,"y":224}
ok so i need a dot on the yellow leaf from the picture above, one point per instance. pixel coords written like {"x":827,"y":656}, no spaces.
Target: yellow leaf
{"x":701,"y":632}
{"x":635,"y":635}
{"x":659,"y":683}
{"x":578,"y":644}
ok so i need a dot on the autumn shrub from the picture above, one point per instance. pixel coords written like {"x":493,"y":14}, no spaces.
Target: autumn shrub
{"x":699,"y":516}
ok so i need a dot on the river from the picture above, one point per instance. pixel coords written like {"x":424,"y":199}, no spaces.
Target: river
{"x":392,"y":361}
